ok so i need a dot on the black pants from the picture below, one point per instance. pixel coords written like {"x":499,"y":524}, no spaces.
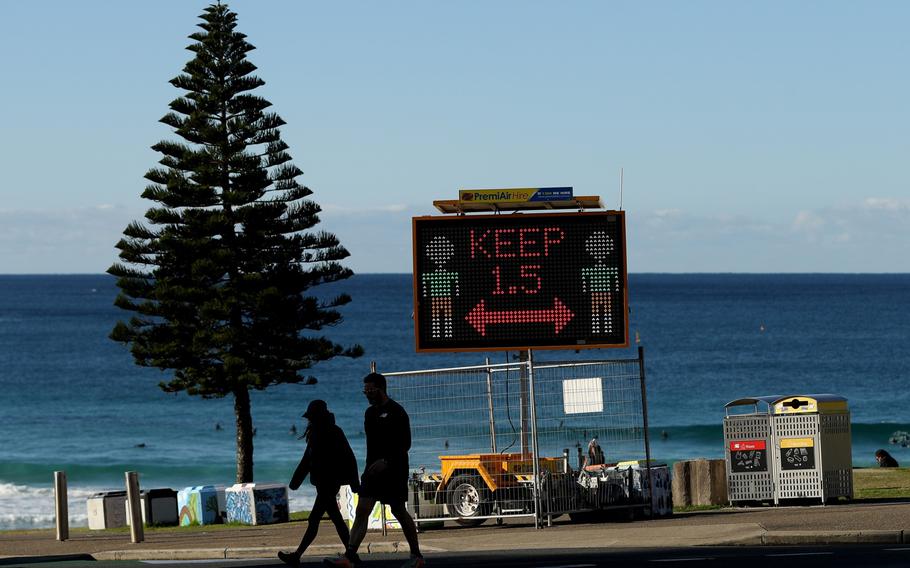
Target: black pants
{"x":325,"y":503}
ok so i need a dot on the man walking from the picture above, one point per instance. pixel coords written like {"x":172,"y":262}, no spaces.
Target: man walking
{"x":385,"y":478}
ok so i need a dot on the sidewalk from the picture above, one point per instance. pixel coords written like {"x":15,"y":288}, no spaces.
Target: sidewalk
{"x":834,"y":524}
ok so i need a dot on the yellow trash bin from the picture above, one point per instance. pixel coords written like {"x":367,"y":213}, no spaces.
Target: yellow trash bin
{"x":813,"y":453}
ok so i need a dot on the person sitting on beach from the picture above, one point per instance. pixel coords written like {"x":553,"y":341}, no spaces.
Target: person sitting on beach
{"x":595,"y":453}
{"x":885,"y":459}
{"x":330,"y":463}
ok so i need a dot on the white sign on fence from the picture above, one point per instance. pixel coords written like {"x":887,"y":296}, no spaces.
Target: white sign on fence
{"x":582,"y":395}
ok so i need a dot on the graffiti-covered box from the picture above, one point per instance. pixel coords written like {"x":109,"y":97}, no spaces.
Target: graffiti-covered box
{"x":201,"y":505}
{"x":347,"y":502}
{"x":661,"y":498}
{"x":257,"y":503}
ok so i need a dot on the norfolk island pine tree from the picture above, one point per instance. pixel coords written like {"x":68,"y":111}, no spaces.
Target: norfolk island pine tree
{"x":217,"y":275}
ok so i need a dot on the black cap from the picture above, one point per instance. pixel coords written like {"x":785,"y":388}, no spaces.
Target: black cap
{"x":316,"y":408}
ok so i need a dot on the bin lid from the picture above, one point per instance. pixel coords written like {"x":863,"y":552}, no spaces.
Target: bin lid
{"x":768,"y":400}
{"x":811,"y":404}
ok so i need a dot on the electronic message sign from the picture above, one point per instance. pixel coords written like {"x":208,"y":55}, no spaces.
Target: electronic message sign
{"x":519,"y":281}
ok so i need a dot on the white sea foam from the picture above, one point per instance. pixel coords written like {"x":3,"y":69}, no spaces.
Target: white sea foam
{"x":30,"y":507}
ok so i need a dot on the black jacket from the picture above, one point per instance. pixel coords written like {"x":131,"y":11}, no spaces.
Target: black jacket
{"x":328,"y":459}
{"x":388,"y":431}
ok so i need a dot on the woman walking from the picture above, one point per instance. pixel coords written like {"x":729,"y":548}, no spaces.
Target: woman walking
{"x":330,"y":463}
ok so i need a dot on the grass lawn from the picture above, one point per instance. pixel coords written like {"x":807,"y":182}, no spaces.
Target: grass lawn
{"x":868,"y":483}
{"x":881,"y":483}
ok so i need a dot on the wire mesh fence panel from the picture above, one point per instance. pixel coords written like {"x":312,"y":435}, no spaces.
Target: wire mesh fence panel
{"x":468,"y":467}
{"x":473,"y":434}
{"x":592,"y":413}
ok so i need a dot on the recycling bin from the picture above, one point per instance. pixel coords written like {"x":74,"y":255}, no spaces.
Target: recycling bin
{"x":747,"y":441}
{"x":201,"y":505}
{"x":106,"y":510}
{"x":158,"y":507}
{"x":813,"y":453}
{"x":257,"y":503}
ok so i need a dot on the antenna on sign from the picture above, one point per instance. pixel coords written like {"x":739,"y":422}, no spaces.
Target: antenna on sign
{"x":620,"y":188}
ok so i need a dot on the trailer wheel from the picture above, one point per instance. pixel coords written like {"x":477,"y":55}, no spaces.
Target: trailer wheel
{"x":467,"y":497}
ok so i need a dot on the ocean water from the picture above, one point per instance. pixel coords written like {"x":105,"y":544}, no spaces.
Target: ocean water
{"x":72,"y":400}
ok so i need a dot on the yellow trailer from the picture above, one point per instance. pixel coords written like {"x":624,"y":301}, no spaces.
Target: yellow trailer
{"x":472,"y":485}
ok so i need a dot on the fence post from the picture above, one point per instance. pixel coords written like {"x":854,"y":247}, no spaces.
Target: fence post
{"x":61,"y":507}
{"x":535,"y":455}
{"x":137,"y":533}
{"x":644,"y":410}
{"x":490,"y":404}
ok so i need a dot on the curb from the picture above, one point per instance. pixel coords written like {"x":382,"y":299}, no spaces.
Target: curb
{"x":209,"y":553}
{"x":767,"y":538}
{"x":250,"y":552}
{"x":835,"y":537}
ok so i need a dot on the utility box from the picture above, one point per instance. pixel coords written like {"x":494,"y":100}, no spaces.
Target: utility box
{"x":347,"y":502}
{"x":158,"y":507}
{"x":661,"y":498}
{"x":201,"y":505}
{"x":748,"y":441}
{"x":257,"y":503}
{"x":106,"y":510}
{"x":813,"y":451}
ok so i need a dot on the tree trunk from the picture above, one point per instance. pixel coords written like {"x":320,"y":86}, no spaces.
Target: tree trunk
{"x":244,"y":435}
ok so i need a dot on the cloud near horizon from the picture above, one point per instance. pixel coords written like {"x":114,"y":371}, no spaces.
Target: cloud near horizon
{"x":870,"y":236}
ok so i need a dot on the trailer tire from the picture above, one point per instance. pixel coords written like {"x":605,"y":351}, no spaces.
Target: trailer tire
{"x":467,"y":496}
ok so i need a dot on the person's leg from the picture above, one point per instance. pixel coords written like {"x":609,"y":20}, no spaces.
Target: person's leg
{"x":319,"y":508}
{"x":408,"y":527}
{"x":340,"y":525}
{"x":365,"y":506}
{"x":293,"y":558}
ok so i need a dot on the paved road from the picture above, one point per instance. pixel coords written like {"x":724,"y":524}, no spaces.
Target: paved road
{"x":740,"y":557}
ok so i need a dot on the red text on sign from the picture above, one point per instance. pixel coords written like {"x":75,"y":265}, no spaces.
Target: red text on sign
{"x":529,"y":280}
{"x":512,"y":243}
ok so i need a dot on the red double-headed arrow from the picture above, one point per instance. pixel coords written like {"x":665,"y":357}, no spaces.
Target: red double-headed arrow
{"x":559,"y":315}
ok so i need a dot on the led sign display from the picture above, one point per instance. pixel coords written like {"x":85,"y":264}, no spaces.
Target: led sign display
{"x":509,"y":282}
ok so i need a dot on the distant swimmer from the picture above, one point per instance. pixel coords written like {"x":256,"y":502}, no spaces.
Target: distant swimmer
{"x":664,"y":434}
{"x":142,"y":445}
{"x":217,"y":426}
{"x":761,"y":327}
{"x":293,"y":430}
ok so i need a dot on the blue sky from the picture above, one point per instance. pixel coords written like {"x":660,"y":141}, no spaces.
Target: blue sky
{"x":754,"y":137}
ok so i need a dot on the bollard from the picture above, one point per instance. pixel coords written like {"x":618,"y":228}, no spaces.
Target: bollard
{"x":61,"y":506}
{"x":137,"y":534}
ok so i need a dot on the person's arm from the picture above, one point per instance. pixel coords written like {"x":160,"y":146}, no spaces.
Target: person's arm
{"x":303,"y":469}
